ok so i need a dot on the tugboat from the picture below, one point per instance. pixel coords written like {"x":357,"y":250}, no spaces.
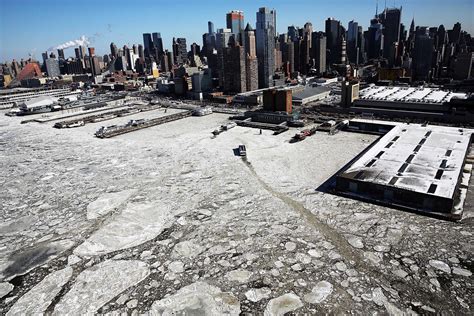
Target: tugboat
{"x":302,"y":135}
{"x":223,"y":128}
{"x":242,"y":150}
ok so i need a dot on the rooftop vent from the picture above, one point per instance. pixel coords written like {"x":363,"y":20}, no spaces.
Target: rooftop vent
{"x":393,"y":180}
{"x":371,"y":163}
{"x":432,"y":188}
{"x":443,"y":163}
{"x":403,"y":168}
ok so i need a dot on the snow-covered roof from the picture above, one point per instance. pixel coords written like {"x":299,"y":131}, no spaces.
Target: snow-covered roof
{"x":38,"y":102}
{"x":424,"y":159}
{"x":408,"y":94}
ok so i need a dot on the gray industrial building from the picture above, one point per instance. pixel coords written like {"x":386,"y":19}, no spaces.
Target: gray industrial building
{"x":418,"y":167}
{"x":306,"y":94}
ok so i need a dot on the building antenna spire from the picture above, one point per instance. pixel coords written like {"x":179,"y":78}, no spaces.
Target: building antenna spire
{"x":376,"y":8}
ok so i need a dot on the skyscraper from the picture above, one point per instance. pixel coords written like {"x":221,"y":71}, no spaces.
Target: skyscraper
{"x":422,"y":54}
{"x":235,"y":79}
{"x":333,"y":40}
{"x":141,"y":53}
{"x":210,"y":27}
{"x":44,"y":56}
{"x":82,"y":52}
{"x":95,"y":65}
{"x":455,"y":34}
{"x":319,"y":51}
{"x":209,"y":41}
{"x":61,"y":53}
{"x":289,"y":56}
{"x":131,"y":58}
{"x":251,"y":66}
{"x":223,"y":38}
{"x":166,"y":62}
{"x":463,"y":67}
{"x":249,"y":41}
{"x":293,"y":33}
{"x":353,"y":42}
{"x":361,"y":44}
{"x":265,"y":37}
{"x":308,"y":30}
{"x":235,"y":21}
{"x":343,"y":59}
{"x":113,"y":50}
{"x":182,"y":50}
{"x":147,"y":44}
{"x":77,"y":53}
{"x":195,"y":49}
{"x":374,"y":38}
{"x":157,"y":43}
{"x":390,"y":19}
{"x":305,"y":53}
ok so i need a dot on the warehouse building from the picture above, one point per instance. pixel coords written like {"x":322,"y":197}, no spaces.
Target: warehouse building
{"x":407,"y":99}
{"x":413,"y":166}
{"x":306,"y":94}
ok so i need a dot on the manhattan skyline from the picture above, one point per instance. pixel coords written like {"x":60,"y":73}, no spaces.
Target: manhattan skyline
{"x":123,"y":23}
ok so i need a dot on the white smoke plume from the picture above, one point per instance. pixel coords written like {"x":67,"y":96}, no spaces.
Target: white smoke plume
{"x":83,"y":40}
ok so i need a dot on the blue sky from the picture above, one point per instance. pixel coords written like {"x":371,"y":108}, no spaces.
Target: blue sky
{"x":32,"y":26}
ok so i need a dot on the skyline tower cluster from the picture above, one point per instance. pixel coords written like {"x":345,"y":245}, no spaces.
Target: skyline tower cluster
{"x":241,"y":58}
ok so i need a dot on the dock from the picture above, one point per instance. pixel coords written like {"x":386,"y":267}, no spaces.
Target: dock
{"x":119,"y":130}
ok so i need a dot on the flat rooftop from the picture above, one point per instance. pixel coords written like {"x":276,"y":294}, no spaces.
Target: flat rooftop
{"x":423,"y":159}
{"x":309,"y":91}
{"x":408,"y":94}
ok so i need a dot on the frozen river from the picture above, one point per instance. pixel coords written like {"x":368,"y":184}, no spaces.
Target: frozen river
{"x":168,"y":219}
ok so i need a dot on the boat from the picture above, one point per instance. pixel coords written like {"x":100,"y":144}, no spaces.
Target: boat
{"x":242,"y":150}
{"x":75,"y":124}
{"x":303,"y":134}
{"x":202,"y":111}
{"x":129,"y":112}
{"x":103,"y":118}
{"x":227,"y":127}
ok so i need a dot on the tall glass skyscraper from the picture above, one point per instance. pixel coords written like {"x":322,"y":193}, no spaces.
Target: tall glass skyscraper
{"x":147,"y":43}
{"x":158,"y":43}
{"x":265,"y":35}
{"x":390,"y":19}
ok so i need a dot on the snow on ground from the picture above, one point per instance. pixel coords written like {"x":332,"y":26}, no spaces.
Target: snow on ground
{"x":142,"y":216}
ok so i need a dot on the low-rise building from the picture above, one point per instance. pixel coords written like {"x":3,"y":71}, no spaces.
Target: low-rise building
{"x":308,"y":93}
{"x":417,"y":167}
